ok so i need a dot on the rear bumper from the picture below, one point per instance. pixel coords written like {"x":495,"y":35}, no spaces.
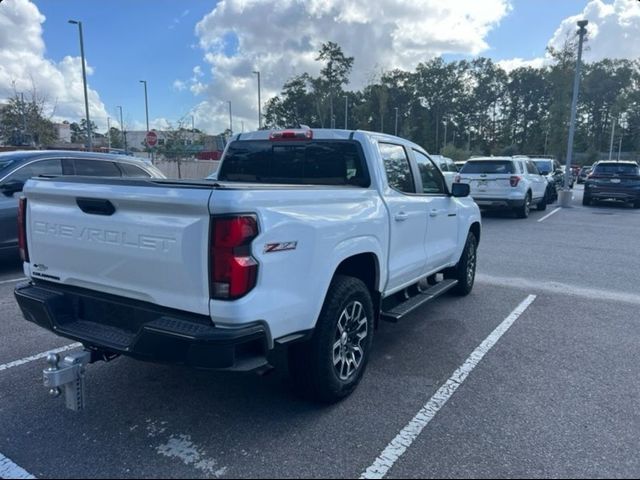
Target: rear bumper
{"x":487,"y":202}
{"x":141,"y":330}
{"x":613,"y":194}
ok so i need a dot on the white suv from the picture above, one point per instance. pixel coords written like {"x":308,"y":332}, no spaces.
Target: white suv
{"x":505,"y":182}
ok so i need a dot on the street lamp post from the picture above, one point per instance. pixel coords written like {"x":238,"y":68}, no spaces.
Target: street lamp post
{"x":565,"y":194}
{"x":230,"y":119}
{"x":146,"y":109}
{"x":124,"y":132}
{"x":259,"y":102}
{"x":396,"y":129}
{"x":84,"y":82}
{"x":346,"y":109}
{"x":109,"y":132}
{"x":613,"y":130}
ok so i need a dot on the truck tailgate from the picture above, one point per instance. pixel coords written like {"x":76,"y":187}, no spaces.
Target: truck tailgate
{"x":152,"y":247}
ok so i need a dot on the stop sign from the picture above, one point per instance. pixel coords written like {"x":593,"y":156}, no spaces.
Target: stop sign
{"x":152,"y":139}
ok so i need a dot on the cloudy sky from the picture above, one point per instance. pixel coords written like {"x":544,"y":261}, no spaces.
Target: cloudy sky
{"x":196,"y":55}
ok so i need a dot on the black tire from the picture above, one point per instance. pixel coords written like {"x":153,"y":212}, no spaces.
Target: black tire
{"x":525,"y":209}
{"x":312,"y":363}
{"x":465,"y":270}
{"x":586,"y":200}
{"x":542,"y":204}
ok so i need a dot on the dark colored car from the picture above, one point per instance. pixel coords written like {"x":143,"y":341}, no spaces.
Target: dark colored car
{"x":613,"y":181}
{"x":553,"y":172}
{"x":18,"y":167}
{"x":584,"y":172}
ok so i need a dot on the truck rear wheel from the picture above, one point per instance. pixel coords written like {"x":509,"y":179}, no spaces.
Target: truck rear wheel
{"x":329,"y":366}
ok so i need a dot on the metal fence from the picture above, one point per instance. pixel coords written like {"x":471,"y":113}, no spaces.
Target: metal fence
{"x":189,"y":169}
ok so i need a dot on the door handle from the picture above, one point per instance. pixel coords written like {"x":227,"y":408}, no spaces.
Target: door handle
{"x":401,"y":217}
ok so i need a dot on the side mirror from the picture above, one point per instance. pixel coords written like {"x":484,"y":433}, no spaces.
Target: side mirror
{"x":11,"y":188}
{"x":460,"y":190}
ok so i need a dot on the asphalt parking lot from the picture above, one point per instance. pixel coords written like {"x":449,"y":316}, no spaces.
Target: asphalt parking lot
{"x":555,"y":396}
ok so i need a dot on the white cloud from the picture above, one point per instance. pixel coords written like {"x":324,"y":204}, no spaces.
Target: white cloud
{"x":281,"y":38}
{"x":179,"y":85}
{"x":23,"y":66}
{"x":613,"y":30}
{"x":513,"y":63}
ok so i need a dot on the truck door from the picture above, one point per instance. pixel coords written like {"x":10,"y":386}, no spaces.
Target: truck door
{"x":408,"y":218}
{"x":441,"y":211}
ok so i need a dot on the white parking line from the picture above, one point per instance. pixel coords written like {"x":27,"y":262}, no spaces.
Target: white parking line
{"x":13,"y":280}
{"x":547,"y":216}
{"x":8,"y":469}
{"x":33,"y":358}
{"x":408,"y":434}
{"x":553,"y":287}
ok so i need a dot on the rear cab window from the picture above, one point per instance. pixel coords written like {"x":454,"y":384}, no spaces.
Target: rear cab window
{"x":496,"y":167}
{"x":317,"y":162}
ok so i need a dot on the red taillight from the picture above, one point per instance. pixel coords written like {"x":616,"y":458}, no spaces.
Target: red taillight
{"x":514,"y":180}
{"x":233,"y":270}
{"x":305,"y":134}
{"x":22,"y":230}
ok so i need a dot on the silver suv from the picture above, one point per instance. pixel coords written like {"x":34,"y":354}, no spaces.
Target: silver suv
{"x":513,"y":183}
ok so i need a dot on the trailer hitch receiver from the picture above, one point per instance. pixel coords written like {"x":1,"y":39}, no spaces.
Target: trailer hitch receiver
{"x":67,"y":375}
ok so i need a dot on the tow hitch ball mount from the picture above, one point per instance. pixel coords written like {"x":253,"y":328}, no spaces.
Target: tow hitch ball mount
{"x":68,"y":375}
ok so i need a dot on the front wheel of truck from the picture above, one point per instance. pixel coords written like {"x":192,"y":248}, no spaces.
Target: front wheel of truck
{"x":329,"y":366}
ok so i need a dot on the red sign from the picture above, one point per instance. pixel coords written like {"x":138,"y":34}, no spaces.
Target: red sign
{"x":152,"y":139}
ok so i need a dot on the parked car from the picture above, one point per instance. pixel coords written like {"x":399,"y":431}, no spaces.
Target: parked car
{"x":553,"y":172}
{"x":584,"y":173}
{"x":17,"y":167}
{"x":512,"y":183}
{"x":447,"y":167}
{"x":613,"y":181}
{"x":305,"y":239}
{"x":460,"y":164}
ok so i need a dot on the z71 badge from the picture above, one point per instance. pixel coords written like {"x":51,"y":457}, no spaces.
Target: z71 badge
{"x":280,"y":247}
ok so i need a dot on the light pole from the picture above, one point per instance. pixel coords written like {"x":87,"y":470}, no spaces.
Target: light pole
{"x":396,"y":130}
{"x":259,"y":102}
{"x":109,"y":132}
{"x":346,"y":108}
{"x":146,"y":109}
{"x":613,"y":129}
{"x":124,"y":132}
{"x":565,"y":194}
{"x":444,"y":142}
{"x":230,"y":119}
{"x":193,"y":124}
{"x":84,"y":81}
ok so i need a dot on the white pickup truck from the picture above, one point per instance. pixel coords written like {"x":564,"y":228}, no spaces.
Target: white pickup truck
{"x":306,"y":238}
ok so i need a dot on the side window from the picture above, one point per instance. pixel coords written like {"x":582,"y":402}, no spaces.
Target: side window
{"x":432,"y":181}
{"x":43,"y":167}
{"x":132,"y":171}
{"x":96,"y":168}
{"x":532,"y":169}
{"x":396,"y":165}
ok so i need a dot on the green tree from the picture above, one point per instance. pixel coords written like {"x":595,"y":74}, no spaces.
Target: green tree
{"x":24,"y":122}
